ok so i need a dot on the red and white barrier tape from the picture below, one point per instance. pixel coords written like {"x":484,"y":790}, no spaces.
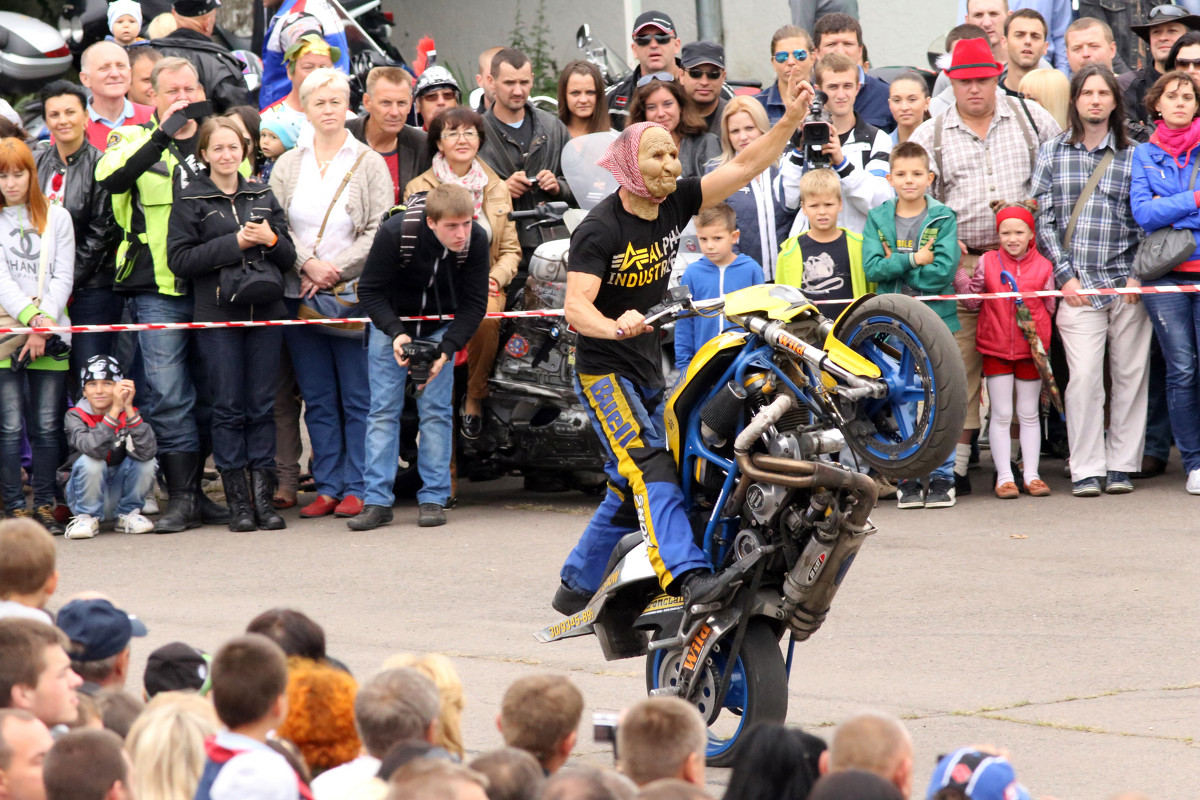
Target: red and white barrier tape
{"x":557,"y":312}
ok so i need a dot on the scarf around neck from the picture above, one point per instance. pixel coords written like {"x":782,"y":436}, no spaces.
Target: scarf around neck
{"x":475,"y":180}
{"x":621,"y":159}
{"x":1177,"y":141}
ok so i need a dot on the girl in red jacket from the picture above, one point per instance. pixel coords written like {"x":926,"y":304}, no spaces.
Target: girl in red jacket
{"x":1007,"y":360}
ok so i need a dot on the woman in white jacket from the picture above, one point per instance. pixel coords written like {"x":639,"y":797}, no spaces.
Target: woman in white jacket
{"x":37,"y":270}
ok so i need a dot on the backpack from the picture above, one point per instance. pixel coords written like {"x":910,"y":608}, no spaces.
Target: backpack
{"x":413,"y":210}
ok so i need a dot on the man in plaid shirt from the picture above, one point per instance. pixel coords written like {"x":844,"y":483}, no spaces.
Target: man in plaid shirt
{"x":983,"y":149}
{"x":1099,"y":254}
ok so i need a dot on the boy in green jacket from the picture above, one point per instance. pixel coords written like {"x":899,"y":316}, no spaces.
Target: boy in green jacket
{"x":910,"y":246}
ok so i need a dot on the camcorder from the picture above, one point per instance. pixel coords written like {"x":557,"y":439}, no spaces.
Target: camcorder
{"x":814,"y":134}
{"x":420,"y":354}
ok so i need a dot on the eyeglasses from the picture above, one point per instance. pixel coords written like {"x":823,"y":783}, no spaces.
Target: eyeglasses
{"x":469,"y":134}
{"x":711,"y":74}
{"x":799,"y":55}
{"x":661,"y":38}
{"x":665,"y":77}
{"x":1187,"y":63}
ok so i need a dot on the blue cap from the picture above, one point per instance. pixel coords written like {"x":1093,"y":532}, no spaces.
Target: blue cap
{"x":983,"y":776}
{"x":97,"y":629}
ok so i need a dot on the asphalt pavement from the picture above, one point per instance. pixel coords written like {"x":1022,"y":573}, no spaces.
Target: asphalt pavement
{"x":1062,"y":629}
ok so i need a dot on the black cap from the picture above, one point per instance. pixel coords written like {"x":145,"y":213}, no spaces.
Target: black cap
{"x":697,"y":53}
{"x":656,"y":19}
{"x":174,"y":667}
{"x":98,"y":628}
{"x":194,"y":8}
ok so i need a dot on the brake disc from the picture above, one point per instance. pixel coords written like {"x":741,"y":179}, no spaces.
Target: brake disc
{"x":704,"y":689}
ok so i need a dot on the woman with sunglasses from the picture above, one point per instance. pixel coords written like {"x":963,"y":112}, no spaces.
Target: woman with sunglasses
{"x":662,"y":100}
{"x":581,"y":105}
{"x":791,"y":49}
{"x":1185,"y":55}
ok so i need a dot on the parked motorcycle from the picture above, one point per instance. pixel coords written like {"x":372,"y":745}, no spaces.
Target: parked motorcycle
{"x":751,"y":426}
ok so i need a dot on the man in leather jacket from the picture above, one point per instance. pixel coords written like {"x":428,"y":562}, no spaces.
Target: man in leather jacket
{"x":66,"y":170}
{"x":220,"y":72}
{"x":387,"y":102}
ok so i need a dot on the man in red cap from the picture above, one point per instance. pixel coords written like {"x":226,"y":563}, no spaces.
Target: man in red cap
{"x":655,"y":46}
{"x":983,"y":148}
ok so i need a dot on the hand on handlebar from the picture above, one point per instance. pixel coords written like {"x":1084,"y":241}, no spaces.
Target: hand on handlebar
{"x":630,"y":324}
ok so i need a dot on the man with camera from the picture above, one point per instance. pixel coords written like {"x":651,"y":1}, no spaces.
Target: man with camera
{"x":423,"y":262}
{"x":834,"y":137}
{"x":143,"y":167}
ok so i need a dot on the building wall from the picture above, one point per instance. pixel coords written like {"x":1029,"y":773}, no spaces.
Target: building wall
{"x":464,"y":28}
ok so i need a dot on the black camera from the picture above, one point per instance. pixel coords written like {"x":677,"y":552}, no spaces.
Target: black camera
{"x":421,"y":355}
{"x":56,"y":348}
{"x":814,"y":134}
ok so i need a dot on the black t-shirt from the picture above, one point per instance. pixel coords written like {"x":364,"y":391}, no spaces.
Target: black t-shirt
{"x":523,"y":133}
{"x":632,"y":258}
{"x":827,"y":273}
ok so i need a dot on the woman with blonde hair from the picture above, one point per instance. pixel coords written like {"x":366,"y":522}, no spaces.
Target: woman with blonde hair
{"x":166,"y":745}
{"x":1050,"y":89}
{"x":763,"y":220}
{"x":439,"y":669}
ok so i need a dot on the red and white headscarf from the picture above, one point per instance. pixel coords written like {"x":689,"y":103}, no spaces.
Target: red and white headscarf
{"x":621,"y":159}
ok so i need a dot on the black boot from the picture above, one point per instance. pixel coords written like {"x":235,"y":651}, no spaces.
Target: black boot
{"x":262,"y":489}
{"x":237,"y":495}
{"x":211,"y":512}
{"x":181,"y":471}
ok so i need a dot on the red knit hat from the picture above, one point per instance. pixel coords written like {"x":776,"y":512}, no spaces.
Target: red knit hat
{"x":973,"y":59}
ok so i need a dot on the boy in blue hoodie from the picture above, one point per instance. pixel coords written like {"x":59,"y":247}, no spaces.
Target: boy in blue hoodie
{"x":718,"y":273}
{"x":910,"y":246}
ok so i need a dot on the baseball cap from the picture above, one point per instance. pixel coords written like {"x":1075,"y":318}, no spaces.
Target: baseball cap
{"x":177,"y":666}
{"x":194,"y":8}
{"x":983,"y":776}
{"x":435,"y":78}
{"x":697,"y":53}
{"x":98,"y":628}
{"x":655,"y":19}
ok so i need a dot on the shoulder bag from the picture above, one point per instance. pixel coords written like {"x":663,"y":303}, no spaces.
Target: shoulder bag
{"x":1166,"y":248}
{"x":10,"y":343}
{"x":341,"y":300}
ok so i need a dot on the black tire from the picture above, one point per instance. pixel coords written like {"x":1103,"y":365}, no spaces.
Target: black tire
{"x":931,"y":371}
{"x":759,"y":685}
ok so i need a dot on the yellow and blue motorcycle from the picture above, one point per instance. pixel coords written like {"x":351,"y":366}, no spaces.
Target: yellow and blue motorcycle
{"x":754,"y":426}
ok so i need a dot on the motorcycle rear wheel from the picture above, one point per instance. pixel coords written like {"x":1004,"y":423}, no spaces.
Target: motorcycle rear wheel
{"x":919,"y":360}
{"x":757,"y":689}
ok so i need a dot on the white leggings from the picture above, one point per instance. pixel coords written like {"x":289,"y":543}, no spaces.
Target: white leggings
{"x":1000,"y":393}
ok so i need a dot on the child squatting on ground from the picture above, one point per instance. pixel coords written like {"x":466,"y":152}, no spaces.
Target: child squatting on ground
{"x":718,"y":273}
{"x":1006,"y":353}
{"x":112,"y":453}
{"x":910,"y":246}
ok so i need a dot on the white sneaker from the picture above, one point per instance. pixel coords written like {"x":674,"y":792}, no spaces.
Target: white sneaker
{"x":151,"y":504}
{"x":82,"y":526}
{"x":1193,"y":483}
{"x":134,"y":522}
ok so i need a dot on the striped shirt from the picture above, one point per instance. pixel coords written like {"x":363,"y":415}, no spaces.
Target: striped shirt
{"x":978,"y":171}
{"x":1106,"y":235}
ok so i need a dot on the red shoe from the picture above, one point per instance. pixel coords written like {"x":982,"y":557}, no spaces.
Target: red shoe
{"x":323,"y":506}
{"x":350,"y":506}
{"x":62,"y":514}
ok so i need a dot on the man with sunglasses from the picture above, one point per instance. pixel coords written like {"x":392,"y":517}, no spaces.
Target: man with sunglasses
{"x":655,"y":46}
{"x":1163,"y":25}
{"x":703,"y":79}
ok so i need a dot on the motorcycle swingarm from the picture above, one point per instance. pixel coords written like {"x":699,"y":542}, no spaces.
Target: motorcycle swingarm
{"x":701,"y":639}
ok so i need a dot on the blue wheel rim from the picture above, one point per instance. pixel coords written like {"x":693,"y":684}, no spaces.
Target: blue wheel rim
{"x":734,"y":703}
{"x":909,"y":379}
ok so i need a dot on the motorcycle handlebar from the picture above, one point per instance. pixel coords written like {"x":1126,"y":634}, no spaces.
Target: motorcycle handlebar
{"x":542,"y":211}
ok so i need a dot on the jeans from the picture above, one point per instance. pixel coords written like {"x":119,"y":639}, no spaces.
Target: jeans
{"x":435,"y":408}
{"x":31,"y":400}
{"x":1158,"y":415}
{"x":241,"y":365}
{"x":98,"y":306}
{"x":643,"y":487}
{"x":332,"y":374}
{"x":1176,"y":321}
{"x":946,"y":470}
{"x":168,"y":399}
{"x":105,"y":492}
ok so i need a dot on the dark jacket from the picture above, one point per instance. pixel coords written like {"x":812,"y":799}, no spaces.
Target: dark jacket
{"x":504,"y":156}
{"x":1135,"y":92}
{"x":429,"y":282}
{"x":695,"y":153}
{"x":412,"y":154}
{"x":96,"y":231}
{"x":220,"y":71}
{"x":203,"y":239}
{"x":872,"y":103}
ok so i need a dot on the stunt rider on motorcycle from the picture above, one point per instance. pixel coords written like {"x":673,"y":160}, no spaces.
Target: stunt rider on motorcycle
{"x":620,"y":264}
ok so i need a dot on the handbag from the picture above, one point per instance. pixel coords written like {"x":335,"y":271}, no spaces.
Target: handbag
{"x":10,"y":343}
{"x":1166,"y":248}
{"x":255,"y":281}
{"x":341,"y":300}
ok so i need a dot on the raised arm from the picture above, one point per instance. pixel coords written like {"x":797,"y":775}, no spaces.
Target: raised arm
{"x":760,"y":154}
